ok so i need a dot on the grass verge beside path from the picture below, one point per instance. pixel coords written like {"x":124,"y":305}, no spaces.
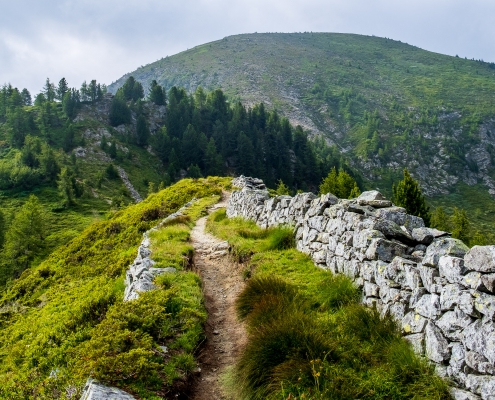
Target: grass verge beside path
{"x":309,"y":338}
{"x":65,"y":320}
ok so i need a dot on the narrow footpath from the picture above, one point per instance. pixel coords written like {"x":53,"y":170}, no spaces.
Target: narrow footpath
{"x":222,"y":283}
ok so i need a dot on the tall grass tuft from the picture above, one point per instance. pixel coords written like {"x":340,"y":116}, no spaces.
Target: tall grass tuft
{"x":262,"y":290}
{"x":280,"y":238}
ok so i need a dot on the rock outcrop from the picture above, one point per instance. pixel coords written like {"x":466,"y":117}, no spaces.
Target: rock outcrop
{"x":439,"y":291}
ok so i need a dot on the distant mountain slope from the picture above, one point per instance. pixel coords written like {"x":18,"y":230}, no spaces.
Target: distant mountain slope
{"x":387,"y":104}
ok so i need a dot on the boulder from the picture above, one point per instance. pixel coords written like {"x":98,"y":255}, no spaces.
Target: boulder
{"x":481,"y":259}
{"x":413,"y":323}
{"x":385,"y":250}
{"x":427,"y":235}
{"x":480,"y":383}
{"x":452,"y":323}
{"x":437,"y":347}
{"x":428,"y":276}
{"x":400,"y":217}
{"x":449,"y":296}
{"x":478,"y":281}
{"x":484,"y":303}
{"x":444,"y":247}
{"x":479,"y":363}
{"x":451,"y":268}
{"x":428,"y":306}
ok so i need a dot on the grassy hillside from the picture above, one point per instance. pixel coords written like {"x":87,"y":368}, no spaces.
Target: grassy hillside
{"x":65,"y":320}
{"x":384,"y":104}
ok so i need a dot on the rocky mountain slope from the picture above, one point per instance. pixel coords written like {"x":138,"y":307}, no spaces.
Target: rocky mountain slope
{"x":383,"y":103}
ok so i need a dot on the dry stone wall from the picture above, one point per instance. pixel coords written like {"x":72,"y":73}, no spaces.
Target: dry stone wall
{"x":440,"y":291}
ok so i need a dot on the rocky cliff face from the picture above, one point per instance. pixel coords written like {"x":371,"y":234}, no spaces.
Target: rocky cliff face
{"x":439,"y":291}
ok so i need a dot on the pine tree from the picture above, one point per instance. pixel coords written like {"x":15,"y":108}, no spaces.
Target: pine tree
{"x":408,"y":194}
{"x":25,"y":238}
{"x":62,"y":89}
{"x":142,"y":131}
{"x":119,"y":112}
{"x":461,"y":227}
{"x":112,"y":150}
{"x":440,"y":220}
{"x":49,"y":90}
{"x":329,"y":184}
{"x":66,"y":187}
{"x":282,"y":189}
{"x":157,"y":94}
{"x":26,"y":97}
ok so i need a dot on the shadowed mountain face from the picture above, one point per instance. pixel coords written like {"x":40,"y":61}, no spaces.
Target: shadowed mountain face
{"x":385,"y":104}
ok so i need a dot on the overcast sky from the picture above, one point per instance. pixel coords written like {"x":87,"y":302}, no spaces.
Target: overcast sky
{"x":104,"y":39}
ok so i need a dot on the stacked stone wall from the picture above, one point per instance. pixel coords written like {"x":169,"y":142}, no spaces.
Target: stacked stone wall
{"x":439,"y":291}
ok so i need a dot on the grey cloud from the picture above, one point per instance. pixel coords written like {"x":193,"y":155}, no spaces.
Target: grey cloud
{"x":89,"y":39}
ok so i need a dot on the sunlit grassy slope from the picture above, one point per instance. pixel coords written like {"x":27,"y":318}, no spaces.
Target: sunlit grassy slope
{"x":65,"y":320}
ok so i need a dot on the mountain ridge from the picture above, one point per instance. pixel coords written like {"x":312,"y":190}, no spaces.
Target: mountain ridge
{"x":386,"y":104}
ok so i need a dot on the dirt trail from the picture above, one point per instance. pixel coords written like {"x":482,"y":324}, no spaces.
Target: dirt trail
{"x":222,"y":283}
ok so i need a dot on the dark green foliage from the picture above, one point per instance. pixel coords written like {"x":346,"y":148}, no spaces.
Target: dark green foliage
{"x":62,"y":89}
{"x":111,"y":172}
{"x":49,"y":90}
{"x":157,"y":94}
{"x":26,"y":97}
{"x":408,"y":194}
{"x":142,"y":131}
{"x":132,"y":90}
{"x":194,"y":172}
{"x":258,"y":288}
{"x":3,"y":228}
{"x":67,"y":187}
{"x":119,"y":112}
{"x":71,"y":102}
{"x":112,"y":150}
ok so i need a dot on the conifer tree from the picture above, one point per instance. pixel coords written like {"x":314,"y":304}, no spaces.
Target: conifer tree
{"x":49,"y":90}
{"x":25,"y":238}
{"x":408,"y":194}
{"x":66,"y":187}
{"x":142,"y":131}
{"x":62,"y":89}
{"x":440,"y":220}
{"x":157,"y":94}
{"x":26,"y":97}
{"x":461,"y":227}
{"x":282,"y":189}
{"x":112,"y":150}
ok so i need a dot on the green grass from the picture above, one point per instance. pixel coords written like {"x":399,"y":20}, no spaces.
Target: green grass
{"x":66,"y":317}
{"x":308,"y":336}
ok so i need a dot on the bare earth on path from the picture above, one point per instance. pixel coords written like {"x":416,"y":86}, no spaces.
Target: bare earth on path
{"x":222,"y":283}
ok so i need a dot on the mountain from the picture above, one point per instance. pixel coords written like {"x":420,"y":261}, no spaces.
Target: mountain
{"x":384,"y":104}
